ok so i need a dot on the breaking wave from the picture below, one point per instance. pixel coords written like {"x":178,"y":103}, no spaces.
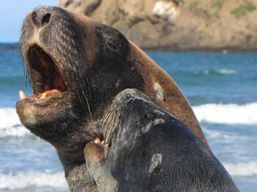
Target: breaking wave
{"x":10,"y":125}
{"x":219,"y":71}
{"x":30,"y":179}
{"x":227,"y":113}
{"x":242,"y":169}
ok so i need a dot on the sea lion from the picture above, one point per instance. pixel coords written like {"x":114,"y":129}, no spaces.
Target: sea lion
{"x":147,"y":149}
{"x":76,"y":67}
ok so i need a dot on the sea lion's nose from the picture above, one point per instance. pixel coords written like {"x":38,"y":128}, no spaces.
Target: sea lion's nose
{"x":41,"y":16}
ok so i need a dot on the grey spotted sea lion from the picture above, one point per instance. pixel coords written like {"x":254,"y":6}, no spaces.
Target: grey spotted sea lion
{"x":76,"y":67}
{"x":147,"y":149}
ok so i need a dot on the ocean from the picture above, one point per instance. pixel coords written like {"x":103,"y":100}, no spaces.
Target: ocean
{"x":221,"y":88}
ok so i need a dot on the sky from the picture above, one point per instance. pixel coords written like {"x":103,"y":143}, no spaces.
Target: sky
{"x":12,"y":13}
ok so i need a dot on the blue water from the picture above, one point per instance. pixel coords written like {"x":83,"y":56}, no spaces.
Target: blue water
{"x":220,"y":86}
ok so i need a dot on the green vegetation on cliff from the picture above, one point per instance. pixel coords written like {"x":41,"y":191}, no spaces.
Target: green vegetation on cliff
{"x":243,"y":9}
{"x":177,"y":24}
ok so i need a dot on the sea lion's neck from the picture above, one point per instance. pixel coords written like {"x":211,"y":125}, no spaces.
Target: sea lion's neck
{"x":76,"y":173}
{"x":73,"y":160}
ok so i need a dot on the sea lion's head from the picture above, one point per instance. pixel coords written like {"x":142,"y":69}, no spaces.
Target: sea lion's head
{"x":75,"y":66}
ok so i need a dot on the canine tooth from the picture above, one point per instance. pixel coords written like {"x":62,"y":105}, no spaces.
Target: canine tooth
{"x":43,"y":96}
{"x":97,"y":140}
{"x":22,"y":95}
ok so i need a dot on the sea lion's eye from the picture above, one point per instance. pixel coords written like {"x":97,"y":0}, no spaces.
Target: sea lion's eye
{"x":112,"y":46}
{"x":114,"y":42}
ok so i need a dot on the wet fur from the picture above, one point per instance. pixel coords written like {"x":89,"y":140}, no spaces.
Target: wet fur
{"x":147,"y":149}
{"x":97,"y":63}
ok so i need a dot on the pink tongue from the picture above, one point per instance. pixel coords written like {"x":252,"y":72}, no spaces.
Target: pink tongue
{"x":48,"y":92}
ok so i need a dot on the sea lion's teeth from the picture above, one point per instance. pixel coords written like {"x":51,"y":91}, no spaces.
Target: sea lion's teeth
{"x":43,"y":96}
{"x":97,"y":140}
{"x":22,"y":95}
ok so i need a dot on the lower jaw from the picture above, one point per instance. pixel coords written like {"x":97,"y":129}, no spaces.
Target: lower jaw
{"x":35,"y":111}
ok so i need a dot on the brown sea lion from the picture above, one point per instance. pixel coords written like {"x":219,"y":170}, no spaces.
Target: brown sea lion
{"x":76,"y":67}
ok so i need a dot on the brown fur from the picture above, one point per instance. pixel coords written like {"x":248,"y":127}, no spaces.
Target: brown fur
{"x":96,"y":63}
{"x":174,"y":101}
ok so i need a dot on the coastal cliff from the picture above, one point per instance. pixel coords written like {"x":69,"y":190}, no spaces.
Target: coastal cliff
{"x":177,"y":24}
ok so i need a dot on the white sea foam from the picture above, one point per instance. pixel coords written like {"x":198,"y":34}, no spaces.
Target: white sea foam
{"x":30,"y":179}
{"x":226,"y":71}
{"x":214,"y":134}
{"x":220,"y":71}
{"x":227,"y":113}
{"x":10,"y":124}
{"x":242,"y":169}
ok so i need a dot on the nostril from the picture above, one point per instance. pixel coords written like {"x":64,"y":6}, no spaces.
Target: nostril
{"x":40,"y":17}
{"x":34,"y":17}
{"x":45,"y":19}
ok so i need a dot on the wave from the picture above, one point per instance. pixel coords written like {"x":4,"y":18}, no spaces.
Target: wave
{"x":214,"y":134}
{"x":226,"y":71}
{"x":227,"y":113}
{"x":214,"y":73}
{"x":29,"y":179}
{"x":10,"y":125}
{"x":219,"y":72}
{"x":242,"y":169}
{"x":56,"y":180}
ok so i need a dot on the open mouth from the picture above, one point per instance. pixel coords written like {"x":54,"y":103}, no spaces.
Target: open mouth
{"x":45,"y":77}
